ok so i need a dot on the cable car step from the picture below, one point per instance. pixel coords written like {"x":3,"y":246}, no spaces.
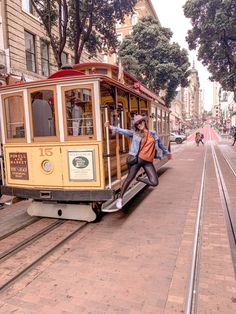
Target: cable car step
{"x":110,"y":207}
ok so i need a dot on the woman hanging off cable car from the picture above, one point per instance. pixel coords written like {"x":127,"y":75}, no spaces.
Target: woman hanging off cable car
{"x":144,"y":148}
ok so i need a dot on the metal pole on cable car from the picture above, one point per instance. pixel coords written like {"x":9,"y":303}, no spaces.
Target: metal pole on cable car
{"x":118,"y":167}
{"x":123,"y":125}
{"x":108,"y":150}
{"x":1,"y":165}
{"x":2,"y":171}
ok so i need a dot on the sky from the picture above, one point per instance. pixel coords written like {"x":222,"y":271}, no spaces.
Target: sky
{"x":170,"y":14}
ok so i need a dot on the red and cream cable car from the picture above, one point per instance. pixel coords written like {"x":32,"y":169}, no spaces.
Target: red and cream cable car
{"x":56,"y":149}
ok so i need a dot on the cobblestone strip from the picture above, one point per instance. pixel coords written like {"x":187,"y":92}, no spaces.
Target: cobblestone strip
{"x":178,"y":287}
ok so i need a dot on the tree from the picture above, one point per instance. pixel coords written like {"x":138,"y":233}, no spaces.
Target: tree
{"x":89,"y":24}
{"x":150,"y":56}
{"x":54,"y":16}
{"x":214,"y":34}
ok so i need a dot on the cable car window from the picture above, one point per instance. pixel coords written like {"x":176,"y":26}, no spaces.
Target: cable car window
{"x":79,"y":112}
{"x":164,"y":121}
{"x":14,"y":111}
{"x":159,"y":120}
{"x":134,"y":104}
{"x":143,"y":104}
{"x":98,"y":71}
{"x":115,"y":75}
{"x":43,"y":113}
{"x":154,"y":118}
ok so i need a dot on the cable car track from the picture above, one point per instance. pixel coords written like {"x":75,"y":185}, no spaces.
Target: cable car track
{"x":190,"y":302}
{"x":225,"y":199}
{"x":229,"y":163}
{"x":8,"y":253}
{"x":7,"y":278}
{"x":28,"y":223}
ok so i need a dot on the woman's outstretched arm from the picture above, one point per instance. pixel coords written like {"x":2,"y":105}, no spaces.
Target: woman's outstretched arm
{"x":121,"y":131}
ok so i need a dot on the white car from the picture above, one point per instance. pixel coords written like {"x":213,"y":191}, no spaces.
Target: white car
{"x":177,"y":138}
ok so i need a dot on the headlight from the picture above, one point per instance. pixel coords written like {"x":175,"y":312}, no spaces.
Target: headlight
{"x":47,"y":166}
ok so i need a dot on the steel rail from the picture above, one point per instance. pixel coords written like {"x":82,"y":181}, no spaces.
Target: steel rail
{"x":38,"y":260}
{"x":31,"y":222}
{"x":229,"y":164}
{"x":8,"y":253}
{"x":192,"y":275}
{"x":225,"y":199}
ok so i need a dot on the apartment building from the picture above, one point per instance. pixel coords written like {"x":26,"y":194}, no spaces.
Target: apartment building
{"x":177,"y":114}
{"x":24,"y":44}
{"x":224,"y":106}
{"x":192,"y":98}
{"x":4,"y":52}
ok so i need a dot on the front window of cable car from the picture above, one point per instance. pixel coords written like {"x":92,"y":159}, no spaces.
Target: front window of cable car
{"x":14,"y":116}
{"x":79,"y":112}
{"x":43,"y":113}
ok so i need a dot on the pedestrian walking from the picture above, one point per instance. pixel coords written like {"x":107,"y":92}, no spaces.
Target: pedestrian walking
{"x":234,"y":137}
{"x":144,"y":148}
{"x":201,"y":138}
{"x":197,"y":138}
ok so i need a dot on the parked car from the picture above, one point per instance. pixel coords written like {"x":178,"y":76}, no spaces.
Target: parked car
{"x":177,"y":138}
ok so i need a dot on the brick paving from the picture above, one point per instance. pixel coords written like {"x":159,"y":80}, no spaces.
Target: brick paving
{"x":137,"y":261}
{"x":217,"y":289}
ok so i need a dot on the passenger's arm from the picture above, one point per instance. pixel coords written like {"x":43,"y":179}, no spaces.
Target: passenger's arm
{"x":121,"y":131}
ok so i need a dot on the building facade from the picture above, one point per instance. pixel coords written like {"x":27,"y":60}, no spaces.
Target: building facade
{"x":25,"y":45}
{"x":224,"y":108}
{"x":193,"y":100}
{"x":177,"y":115}
{"x":216,"y":108}
{"x":4,"y":51}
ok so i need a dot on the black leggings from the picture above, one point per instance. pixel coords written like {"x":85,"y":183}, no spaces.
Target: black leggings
{"x":133,"y":170}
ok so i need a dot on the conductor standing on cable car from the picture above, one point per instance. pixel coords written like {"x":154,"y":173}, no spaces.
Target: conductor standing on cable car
{"x":144,"y":148}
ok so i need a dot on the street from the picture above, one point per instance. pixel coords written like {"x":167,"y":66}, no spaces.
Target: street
{"x":138,"y":259}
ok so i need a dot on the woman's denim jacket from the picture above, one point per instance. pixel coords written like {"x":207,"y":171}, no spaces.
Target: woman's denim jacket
{"x":136,"y":140}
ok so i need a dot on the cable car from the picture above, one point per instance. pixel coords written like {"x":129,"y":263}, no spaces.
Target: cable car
{"x":56,"y":150}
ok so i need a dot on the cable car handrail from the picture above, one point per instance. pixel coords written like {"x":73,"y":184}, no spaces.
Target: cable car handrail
{"x":108,"y":150}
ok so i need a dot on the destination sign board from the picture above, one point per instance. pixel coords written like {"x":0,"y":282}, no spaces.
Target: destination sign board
{"x":19,"y":166}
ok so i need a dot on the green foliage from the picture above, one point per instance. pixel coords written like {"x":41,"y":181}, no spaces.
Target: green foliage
{"x":149,"y":55}
{"x":89,"y":24}
{"x":214,"y":34}
{"x":48,"y":11}
{"x":93,"y":24}
{"x":54,"y":16}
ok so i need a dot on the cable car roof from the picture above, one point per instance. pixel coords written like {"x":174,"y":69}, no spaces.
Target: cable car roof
{"x":92,"y":69}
